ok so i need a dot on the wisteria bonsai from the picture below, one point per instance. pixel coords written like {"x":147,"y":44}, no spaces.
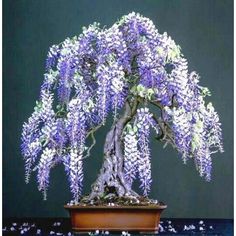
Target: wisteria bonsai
{"x":134,"y":75}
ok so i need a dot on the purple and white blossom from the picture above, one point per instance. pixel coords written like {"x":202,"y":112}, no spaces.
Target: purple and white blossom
{"x":76,"y":173}
{"x":44,"y":166}
{"x":32,"y":135}
{"x":52,"y":56}
{"x":98,"y":73}
{"x":131,"y":154}
{"x":143,"y":122}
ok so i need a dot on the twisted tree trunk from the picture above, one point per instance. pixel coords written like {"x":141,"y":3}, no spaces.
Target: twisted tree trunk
{"x":111,"y":179}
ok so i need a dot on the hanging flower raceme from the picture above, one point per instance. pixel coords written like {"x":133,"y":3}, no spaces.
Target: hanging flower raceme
{"x":44,"y":166}
{"x":76,"y":131}
{"x":131,"y":153}
{"x":76,"y":121}
{"x":143,"y":122}
{"x":103,"y":92}
{"x":178,"y":82}
{"x":147,"y":65}
{"x":52,"y":57}
{"x":66,"y":67}
{"x":199,"y":148}
{"x":116,"y":44}
{"x":60,"y":136}
{"x":65,"y":78}
{"x":118,"y":86}
{"x":136,"y":148}
{"x":50,"y":78}
{"x":207,"y":139}
{"x":181,"y":126}
{"x":197,"y":134}
{"x":213,"y":129}
{"x":32,"y":137}
{"x":134,"y":26}
{"x":76,"y":172}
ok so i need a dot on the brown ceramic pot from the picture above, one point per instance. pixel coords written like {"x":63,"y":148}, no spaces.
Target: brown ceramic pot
{"x":115,"y":218}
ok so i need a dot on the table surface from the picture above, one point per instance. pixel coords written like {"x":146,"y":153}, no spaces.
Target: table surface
{"x":61,"y":226}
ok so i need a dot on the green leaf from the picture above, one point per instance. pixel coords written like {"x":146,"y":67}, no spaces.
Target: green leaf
{"x":38,"y":106}
{"x":150,"y":93}
{"x":195,"y":142}
{"x":205,"y":92}
{"x":210,"y":107}
{"x":90,"y":103}
{"x":134,"y":89}
{"x":140,"y":88}
{"x":199,"y":124}
{"x":193,"y":145}
{"x":128,"y":128}
{"x":141,"y":94}
{"x":135,"y":129}
{"x":173,"y":53}
{"x":160,"y":51}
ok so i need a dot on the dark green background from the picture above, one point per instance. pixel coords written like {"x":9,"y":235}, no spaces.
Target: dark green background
{"x":203,"y":28}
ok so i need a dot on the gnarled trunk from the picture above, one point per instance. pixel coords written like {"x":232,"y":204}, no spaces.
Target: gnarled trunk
{"x":111,"y":178}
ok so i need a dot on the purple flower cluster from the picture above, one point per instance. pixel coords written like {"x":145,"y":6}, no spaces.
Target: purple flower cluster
{"x":131,"y":154}
{"x":52,"y":57}
{"x":136,"y":149}
{"x":196,"y":128}
{"x":111,"y":88}
{"x":33,"y":133}
{"x":75,"y":172}
{"x":143,"y":122}
{"x":45,"y":163}
{"x":91,"y":75}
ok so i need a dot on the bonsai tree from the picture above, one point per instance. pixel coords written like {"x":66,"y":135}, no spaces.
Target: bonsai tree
{"x":138,"y":77}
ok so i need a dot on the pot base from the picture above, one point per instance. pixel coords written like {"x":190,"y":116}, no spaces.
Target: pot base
{"x":143,"y":219}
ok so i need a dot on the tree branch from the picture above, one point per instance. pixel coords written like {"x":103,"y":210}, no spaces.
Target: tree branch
{"x":166,"y":134}
{"x":90,"y":148}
